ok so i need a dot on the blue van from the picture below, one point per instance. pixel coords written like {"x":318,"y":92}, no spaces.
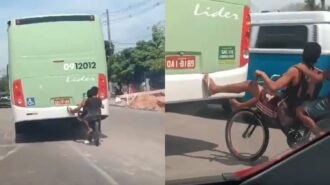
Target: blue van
{"x":277,"y":39}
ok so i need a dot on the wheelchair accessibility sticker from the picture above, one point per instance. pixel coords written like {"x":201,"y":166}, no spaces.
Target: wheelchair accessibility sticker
{"x":30,"y":102}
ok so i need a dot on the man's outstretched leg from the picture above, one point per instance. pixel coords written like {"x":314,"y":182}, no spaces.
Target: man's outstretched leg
{"x":236,"y":105}
{"x":245,"y":86}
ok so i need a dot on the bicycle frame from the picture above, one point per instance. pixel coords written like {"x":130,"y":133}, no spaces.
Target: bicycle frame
{"x":291,"y":131}
{"x":245,"y":133}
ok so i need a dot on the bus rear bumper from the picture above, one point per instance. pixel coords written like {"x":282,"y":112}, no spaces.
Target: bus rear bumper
{"x":22,"y":114}
{"x":189,"y":87}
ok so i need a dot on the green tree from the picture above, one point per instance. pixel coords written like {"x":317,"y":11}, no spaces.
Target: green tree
{"x":323,"y":4}
{"x":146,"y":60}
{"x":120,"y":68}
{"x":313,"y":6}
{"x":156,"y":62}
{"x":150,"y":58}
{"x":310,"y":5}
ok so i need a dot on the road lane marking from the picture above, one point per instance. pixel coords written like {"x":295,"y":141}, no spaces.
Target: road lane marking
{"x":95,"y":167}
{"x":10,"y":152}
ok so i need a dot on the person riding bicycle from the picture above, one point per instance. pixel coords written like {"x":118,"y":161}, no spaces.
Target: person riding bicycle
{"x":311,"y":110}
{"x":293,"y":81}
{"x":91,"y":108}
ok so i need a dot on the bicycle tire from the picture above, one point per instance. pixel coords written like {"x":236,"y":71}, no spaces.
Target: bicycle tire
{"x":229,"y":142}
{"x":96,"y":133}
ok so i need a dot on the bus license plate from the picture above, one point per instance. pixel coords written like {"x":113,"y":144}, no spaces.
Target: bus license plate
{"x":180,"y":62}
{"x":62,"y":101}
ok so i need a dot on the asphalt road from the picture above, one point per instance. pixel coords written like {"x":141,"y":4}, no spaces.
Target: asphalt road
{"x":196,"y":148}
{"x":52,"y":153}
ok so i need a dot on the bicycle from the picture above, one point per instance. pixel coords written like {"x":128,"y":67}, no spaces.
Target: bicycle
{"x":251,"y":124}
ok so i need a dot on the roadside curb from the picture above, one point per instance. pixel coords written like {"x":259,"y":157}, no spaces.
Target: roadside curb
{"x":116,"y":105}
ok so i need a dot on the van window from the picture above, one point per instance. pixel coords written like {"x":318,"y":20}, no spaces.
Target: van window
{"x":284,"y":37}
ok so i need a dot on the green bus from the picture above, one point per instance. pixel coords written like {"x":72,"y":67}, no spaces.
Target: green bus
{"x":205,"y":36}
{"x":53,"y":61}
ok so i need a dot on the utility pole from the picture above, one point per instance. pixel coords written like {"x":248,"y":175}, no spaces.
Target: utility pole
{"x":108,"y":26}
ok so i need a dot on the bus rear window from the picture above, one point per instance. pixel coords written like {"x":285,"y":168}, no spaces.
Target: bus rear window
{"x":54,"y":19}
{"x":282,"y":37}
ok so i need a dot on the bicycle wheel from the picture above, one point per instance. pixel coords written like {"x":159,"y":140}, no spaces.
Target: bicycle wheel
{"x":96,"y":133}
{"x":246,"y":136}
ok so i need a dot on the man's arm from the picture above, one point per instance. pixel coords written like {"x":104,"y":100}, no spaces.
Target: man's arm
{"x":282,"y":82}
{"x":81,"y":105}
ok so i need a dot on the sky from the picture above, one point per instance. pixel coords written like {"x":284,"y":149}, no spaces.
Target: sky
{"x":145,"y":13}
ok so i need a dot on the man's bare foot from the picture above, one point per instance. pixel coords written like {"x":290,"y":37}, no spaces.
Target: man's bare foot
{"x":234,"y":104}
{"x":210,"y":84}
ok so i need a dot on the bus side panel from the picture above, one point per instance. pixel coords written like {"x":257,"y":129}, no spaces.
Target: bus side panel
{"x":278,"y":64}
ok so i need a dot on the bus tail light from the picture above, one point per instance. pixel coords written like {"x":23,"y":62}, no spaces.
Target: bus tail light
{"x":245,"y":38}
{"x":18,"y":93}
{"x":103,"y":90}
